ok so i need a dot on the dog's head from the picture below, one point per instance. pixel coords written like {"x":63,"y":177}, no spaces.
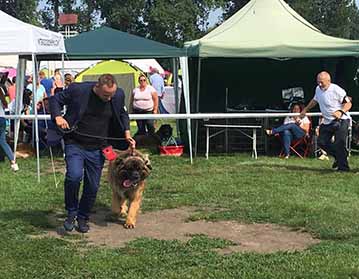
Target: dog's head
{"x":132,"y":168}
{"x":165,"y":131}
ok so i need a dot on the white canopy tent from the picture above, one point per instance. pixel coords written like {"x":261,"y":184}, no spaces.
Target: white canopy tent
{"x":146,"y":65}
{"x":19,"y":38}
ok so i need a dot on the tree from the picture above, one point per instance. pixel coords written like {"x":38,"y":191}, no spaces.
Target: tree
{"x":86,"y":11}
{"x":167,"y":21}
{"x":25,"y":10}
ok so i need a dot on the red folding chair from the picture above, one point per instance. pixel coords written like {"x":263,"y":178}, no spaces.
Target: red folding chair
{"x":300,"y":147}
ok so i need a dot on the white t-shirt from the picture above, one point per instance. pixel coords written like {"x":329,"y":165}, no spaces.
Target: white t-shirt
{"x":289,"y":119}
{"x":330,"y":101}
{"x":143,"y":99}
{"x":40,"y":91}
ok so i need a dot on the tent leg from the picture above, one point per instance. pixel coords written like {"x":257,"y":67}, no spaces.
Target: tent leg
{"x":197,"y":105}
{"x":34,"y":87}
{"x":175,"y":87}
{"x":63,"y":63}
{"x":186,"y":94}
{"x":20,"y":80}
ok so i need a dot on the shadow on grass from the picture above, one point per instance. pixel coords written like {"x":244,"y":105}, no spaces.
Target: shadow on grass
{"x":35,"y":218}
{"x":33,"y":221}
{"x":301,"y":168}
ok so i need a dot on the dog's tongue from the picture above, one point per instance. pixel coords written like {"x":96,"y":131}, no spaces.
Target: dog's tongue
{"x":127,"y":183}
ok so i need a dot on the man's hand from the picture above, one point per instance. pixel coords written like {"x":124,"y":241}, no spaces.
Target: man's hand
{"x":303,"y":113}
{"x":62,"y":123}
{"x":337,"y":114}
{"x":130,"y":140}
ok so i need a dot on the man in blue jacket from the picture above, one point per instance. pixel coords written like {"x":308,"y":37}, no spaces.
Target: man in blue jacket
{"x":95,"y":111}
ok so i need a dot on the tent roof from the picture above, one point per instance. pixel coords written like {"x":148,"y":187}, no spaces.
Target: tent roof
{"x":269,"y":29}
{"x":108,"y":43}
{"x":110,"y":66}
{"x":146,"y":65}
{"x":22,"y":38}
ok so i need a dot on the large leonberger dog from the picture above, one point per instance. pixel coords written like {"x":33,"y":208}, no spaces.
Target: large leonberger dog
{"x":127,"y":174}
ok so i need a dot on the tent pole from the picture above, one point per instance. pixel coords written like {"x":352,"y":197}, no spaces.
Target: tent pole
{"x":20,"y":80}
{"x":175,"y":87}
{"x":34,"y":90}
{"x":186,"y":94}
{"x":63,"y":63}
{"x":197,"y":105}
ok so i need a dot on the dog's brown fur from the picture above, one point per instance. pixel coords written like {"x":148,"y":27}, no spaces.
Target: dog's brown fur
{"x":128,"y":166}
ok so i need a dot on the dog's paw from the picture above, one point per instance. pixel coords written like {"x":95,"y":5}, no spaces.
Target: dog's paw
{"x":129,"y":225}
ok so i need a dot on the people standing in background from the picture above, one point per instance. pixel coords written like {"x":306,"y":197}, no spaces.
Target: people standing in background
{"x":11,"y":91}
{"x":158,"y":84}
{"x":57,"y":85}
{"x":144,"y":100}
{"x":40,"y":90}
{"x":46,"y":83}
{"x":3,"y":143}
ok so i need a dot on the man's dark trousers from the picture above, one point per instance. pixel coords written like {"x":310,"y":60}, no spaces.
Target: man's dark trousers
{"x":337,"y":149}
{"x":82,"y":164}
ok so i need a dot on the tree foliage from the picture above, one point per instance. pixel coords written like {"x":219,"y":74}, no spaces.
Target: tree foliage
{"x":24,"y":10}
{"x":86,"y":11}
{"x":168,"y":21}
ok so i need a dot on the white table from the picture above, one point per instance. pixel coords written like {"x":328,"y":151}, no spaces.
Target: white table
{"x":239,"y":128}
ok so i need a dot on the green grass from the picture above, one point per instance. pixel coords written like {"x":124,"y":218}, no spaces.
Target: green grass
{"x":302,"y":194}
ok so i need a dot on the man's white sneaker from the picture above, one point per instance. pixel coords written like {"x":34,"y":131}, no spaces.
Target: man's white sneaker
{"x":14,"y":167}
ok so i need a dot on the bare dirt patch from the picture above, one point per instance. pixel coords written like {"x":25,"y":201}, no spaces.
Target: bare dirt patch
{"x":171,"y":224}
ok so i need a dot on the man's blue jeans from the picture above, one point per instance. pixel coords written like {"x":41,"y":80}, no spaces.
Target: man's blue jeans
{"x":288,"y":132}
{"x":82,"y":164}
{"x":3,"y":143}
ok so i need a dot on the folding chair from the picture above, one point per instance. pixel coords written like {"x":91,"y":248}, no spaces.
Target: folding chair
{"x":300,"y":147}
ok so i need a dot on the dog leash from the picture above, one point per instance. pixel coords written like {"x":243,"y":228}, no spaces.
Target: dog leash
{"x":74,"y":130}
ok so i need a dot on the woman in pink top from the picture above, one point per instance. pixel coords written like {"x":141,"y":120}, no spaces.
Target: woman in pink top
{"x":144,"y":100}
{"x":11,"y":91}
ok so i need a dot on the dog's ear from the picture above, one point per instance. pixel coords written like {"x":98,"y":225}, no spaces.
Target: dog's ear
{"x":147,"y":161}
{"x":119,"y":163}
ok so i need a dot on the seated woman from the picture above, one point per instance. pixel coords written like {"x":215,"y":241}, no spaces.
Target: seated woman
{"x":292,"y":128}
{"x":144,"y":100}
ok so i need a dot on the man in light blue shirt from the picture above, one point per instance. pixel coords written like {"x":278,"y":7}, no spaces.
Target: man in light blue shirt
{"x":159,"y":85}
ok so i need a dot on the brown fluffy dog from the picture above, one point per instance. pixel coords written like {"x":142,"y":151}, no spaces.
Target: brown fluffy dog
{"x":127,"y":174}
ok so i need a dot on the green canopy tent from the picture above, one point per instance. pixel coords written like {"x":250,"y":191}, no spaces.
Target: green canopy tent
{"x":262,"y":49}
{"x":269,"y":29}
{"x":109,"y":43}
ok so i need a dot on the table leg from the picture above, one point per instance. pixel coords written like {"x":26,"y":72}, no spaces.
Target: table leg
{"x":254,"y":144}
{"x":207,"y":142}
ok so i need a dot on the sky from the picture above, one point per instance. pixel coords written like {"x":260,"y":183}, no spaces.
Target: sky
{"x":214,"y":17}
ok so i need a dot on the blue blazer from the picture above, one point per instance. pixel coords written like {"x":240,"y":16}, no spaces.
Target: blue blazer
{"x":76,"y":98}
